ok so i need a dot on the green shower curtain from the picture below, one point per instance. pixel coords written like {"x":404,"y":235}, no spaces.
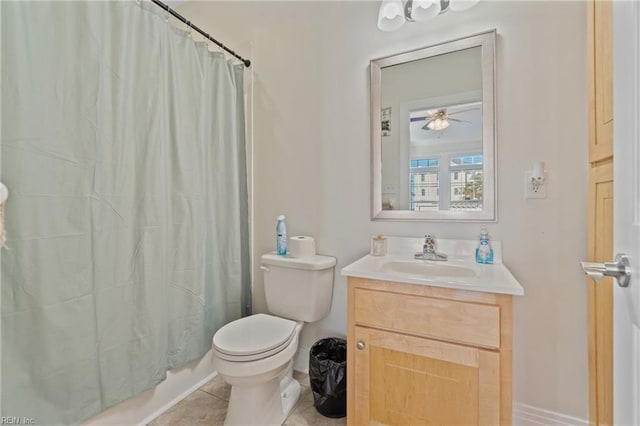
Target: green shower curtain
{"x":123,"y":148}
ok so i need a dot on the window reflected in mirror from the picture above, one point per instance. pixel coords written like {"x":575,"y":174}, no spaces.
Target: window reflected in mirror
{"x":461,"y":183}
{"x":454,"y":171}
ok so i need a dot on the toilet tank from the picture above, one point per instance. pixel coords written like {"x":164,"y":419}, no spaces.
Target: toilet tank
{"x":298,"y":288}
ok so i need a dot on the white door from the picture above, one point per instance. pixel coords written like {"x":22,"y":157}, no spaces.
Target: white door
{"x":626,"y":136}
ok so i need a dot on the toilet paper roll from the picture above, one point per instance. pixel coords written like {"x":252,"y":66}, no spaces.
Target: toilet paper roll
{"x":302,"y":246}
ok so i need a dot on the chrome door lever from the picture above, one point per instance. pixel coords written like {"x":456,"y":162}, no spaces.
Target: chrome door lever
{"x":619,"y":269}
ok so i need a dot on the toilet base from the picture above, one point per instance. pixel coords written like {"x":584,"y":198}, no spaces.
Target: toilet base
{"x":270,"y":402}
{"x":290,"y":393}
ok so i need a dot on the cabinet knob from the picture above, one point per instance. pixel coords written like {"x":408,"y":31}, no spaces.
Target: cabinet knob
{"x":360,"y":345}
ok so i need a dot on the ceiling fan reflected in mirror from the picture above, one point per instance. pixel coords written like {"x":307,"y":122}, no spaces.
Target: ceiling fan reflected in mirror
{"x":439,"y":119}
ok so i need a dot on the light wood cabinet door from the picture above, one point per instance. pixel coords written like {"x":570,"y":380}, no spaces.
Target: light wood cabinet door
{"x":407,"y":380}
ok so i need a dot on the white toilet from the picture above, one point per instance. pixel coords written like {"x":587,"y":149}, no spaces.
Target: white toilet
{"x":255,"y":354}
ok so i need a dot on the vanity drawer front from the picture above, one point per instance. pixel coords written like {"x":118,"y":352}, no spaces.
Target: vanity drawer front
{"x":463,"y":322}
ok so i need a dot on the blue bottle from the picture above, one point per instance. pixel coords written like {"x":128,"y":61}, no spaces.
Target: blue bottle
{"x":484,"y":252}
{"x":281,"y":236}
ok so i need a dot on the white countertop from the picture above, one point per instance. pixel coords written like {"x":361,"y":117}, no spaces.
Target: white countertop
{"x":494,"y":278}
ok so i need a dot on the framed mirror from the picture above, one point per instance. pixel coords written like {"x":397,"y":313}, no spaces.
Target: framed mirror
{"x":433,"y":132}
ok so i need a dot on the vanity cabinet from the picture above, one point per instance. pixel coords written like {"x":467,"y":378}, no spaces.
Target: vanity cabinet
{"x":425,"y":355}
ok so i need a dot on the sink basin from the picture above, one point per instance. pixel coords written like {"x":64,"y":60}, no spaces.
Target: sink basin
{"x":423,"y":269}
{"x":458,"y":272}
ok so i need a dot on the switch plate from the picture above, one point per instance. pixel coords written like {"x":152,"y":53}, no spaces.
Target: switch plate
{"x":531,"y":191}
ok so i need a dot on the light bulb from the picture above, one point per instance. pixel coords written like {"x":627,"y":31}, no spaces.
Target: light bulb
{"x":460,"y":5}
{"x":438,"y":124}
{"x":423,"y":10}
{"x":390,"y":15}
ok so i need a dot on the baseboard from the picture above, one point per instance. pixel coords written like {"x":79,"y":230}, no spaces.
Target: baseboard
{"x":176,"y":400}
{"x":528,"y":415}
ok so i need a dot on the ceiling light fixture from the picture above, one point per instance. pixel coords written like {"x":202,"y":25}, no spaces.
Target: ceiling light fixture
{"x":394,"y":13}
{"x":439,"y":120}
{"x":438,"y":124}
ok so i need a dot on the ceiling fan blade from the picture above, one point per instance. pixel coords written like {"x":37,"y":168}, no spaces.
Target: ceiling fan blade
{"x":417,"y":119}
{"x":458,"y":120}
{"x":463,"y":110}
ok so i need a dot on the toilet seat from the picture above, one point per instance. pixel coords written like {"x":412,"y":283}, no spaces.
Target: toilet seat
{"x":253,"y":337}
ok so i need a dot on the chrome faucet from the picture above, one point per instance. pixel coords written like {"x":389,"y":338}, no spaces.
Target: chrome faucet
{"x":429,"y":251}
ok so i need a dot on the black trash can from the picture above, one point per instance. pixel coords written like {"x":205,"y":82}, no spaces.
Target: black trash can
{"x":328,"y":376}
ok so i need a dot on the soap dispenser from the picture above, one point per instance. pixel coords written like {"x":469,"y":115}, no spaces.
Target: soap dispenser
{"x":484,"y":252}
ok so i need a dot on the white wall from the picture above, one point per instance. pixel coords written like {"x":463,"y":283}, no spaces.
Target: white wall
{"x":311,"y":156}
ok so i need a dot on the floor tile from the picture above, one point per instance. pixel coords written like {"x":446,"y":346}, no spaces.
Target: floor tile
{"x":208,"y":406}
{"x":198,"y":409}
{"x":305,"y":414}
{"x":217,"y":387}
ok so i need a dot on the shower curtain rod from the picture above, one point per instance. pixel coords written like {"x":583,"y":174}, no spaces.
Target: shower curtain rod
{"x":246,"y":62}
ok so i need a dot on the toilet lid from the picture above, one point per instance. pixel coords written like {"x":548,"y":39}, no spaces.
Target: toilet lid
{"x":254,"y":335}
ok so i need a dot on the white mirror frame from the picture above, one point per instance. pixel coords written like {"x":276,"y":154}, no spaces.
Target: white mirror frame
{"x":486,"y":41}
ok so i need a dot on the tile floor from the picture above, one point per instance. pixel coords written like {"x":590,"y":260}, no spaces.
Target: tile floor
{"x":208,"y":406}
